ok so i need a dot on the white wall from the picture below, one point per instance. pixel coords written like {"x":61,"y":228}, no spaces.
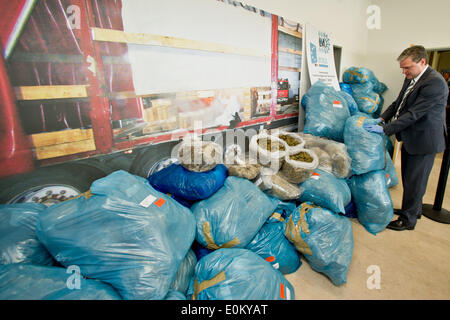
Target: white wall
{"x":405,"y":22}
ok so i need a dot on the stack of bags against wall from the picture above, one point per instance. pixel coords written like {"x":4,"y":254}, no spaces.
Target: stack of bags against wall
{"x":370,"y":159}
{"x":122,"y":232}
{"x":28,"y":271}
{"x":196,"y":175}
{"x":366,"y":89}
{"x":245,"y":242}
{"x":369,"y":183}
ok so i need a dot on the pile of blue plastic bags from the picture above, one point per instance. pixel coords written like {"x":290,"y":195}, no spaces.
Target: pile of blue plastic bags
{"x":215,"y":233}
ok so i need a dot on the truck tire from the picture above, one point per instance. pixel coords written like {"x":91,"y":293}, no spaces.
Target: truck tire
{"x":152,"y":160}
{"x":49,"y":185}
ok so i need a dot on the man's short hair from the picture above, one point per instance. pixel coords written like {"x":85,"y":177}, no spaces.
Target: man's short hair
{"x":416,"y":53}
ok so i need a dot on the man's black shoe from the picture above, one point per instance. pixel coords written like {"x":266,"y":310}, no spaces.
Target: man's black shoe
{"x":399,"y":211}
{"x":398,"y":225}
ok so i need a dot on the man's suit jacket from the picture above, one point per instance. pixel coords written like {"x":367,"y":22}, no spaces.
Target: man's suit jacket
{"x":421,"y":121}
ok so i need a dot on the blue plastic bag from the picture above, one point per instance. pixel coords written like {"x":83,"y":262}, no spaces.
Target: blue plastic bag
{"x":391,"y":173}
{"x":368,"y":101}
{"x":233,"y":215}
{"x":365,"y":148}
{"x":380,"y":87}
{"x":31,"y":282}
{"x":238,"y":274}
{"x":352,"y":105}
{"x":326,"y":112}
{"x":199,"y":250}
{"x":282,"y":211}
{"x":188,"y":185}
{"x":345,"y":87}
{"x":326,"y":190}
{"x":358,"y":75}
{"x":122,"y":232}
{"x":185,"y":273}
{"x":18,"y":240}
{"x":350,"y":210}
{"x":324,"y":238}
{"x":175,"y":295}
{"x":372,"y":199}
{"x":271,"y":244}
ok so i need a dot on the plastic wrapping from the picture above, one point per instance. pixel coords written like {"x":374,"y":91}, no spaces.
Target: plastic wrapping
{"x":391,"y":173}
{"x":326,"y":112}
{"x":174,"y":295}
{"x":325,"y":162}
{"x":352,"y":104}
{"x":326,"y":190}
{"x":359,"y":75}
{"x":275,"y":184}
{"x":368,"y":101}
{"x":233,"y":215}
{"x":283,"y":210}
{"x":185,"y":273}
{"x":324,"y":238}
{"x":187,"y":185}
{"x":299,"y":165}
{"x":294,"y":141}
{"x":268,"y":150}
{"x":366,"y":149}
{"x":372,"y":199}
{"x":111,"y":231}
{"x":199,"y":250}
{"x":342,"y":162}
{"x":18,"y":240}
{"x":350,"y":210}
{"x":239,"y":165}
{"x":380,"y":87}
{"x":197,"y":155}
{"x":272,"y":245}
{"x":31,"y":282}
{"x":345,"y":87}
{"x":238,"y":274}
{"x":340,"y":159}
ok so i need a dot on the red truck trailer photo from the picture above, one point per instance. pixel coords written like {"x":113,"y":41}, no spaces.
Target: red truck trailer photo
{"x":92,"y":86}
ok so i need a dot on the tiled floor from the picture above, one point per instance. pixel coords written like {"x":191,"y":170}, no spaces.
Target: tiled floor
{"x":412,"y":264}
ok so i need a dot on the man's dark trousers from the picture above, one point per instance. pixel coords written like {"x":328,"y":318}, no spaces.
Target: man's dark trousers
{"x":416,"y":170}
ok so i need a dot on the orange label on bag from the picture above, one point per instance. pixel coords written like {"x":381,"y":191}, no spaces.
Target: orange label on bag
{"x":270,"y":259}
{"x":282,"y":296}
{"x":160,"y":202}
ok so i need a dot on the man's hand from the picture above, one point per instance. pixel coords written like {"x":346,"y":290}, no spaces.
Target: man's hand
{"x":373,"y":128}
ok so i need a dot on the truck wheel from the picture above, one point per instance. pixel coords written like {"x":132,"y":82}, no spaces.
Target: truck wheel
{"x":49,"y":185}
{"x":153,"y":160}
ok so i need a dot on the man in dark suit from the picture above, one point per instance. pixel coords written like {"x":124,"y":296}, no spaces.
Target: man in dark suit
{"x":416,"y":117}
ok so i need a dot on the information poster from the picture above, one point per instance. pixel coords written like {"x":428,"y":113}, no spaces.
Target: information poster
{"x":320,"y":58}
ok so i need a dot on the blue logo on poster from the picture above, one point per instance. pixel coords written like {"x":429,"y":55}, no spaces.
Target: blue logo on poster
{"x":313,"y":53}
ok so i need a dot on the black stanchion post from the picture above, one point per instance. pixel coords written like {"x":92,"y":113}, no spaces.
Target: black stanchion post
{"x":436,"y":212}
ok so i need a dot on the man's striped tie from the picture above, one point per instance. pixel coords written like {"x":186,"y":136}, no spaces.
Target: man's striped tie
{"x":410,"y":86}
